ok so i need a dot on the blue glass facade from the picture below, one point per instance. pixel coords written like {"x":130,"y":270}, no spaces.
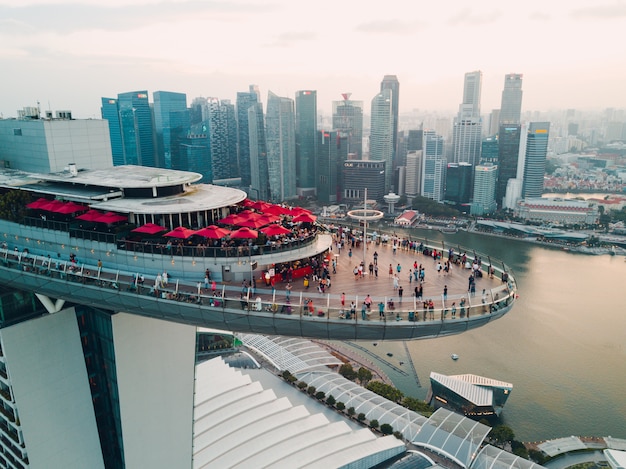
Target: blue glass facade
{"x":245,"y":100}
{"x":171,"y":122}
{"x":110,"y":113}
{"x":306,"y":128}
{"x":138,"y":137}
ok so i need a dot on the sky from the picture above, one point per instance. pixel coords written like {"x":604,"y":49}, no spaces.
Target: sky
{"x":67,"y":55}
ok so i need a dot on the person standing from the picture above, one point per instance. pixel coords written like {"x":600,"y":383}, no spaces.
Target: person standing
{"x":343,"y":300}
{"x":400,"y":292}
{"x":381,"y":310}
{"x":445,"y":292}
{"x":288,"y":291}
{"x":376,"y":270}
{"x":390,"y":271}
{"x":375,"y":258}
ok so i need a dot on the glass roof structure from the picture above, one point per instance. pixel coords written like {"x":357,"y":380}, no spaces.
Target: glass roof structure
{"x":453,"y":436}
{"x":371,"y":404}
{"x":491,"y":457}
{"x":287,"y":353}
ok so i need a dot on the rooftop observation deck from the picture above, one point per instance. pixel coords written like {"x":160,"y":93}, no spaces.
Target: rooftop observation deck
{"x":268,"y":310}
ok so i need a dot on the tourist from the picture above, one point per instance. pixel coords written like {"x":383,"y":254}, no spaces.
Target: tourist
{"x":375,"y":258}
{"x":453,"y":310}
{"x":390,"y":271}
{"x":381,"y":310}
{"x":445,"y":292}
{"x":400,"y":292}
{"x":343,"y":300}
{"x":368,"y":302}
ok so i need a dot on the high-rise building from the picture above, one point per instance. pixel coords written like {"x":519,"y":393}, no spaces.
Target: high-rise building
{"x":494,"y":122}
{"x":194,"y":154}
{"x":348,"y":118}
{"x":511,"y":107}
{"x":111,"y":112}
{"x":390,"y":82}
{"x":434,"y":166}
{"x":259,"y":177}
{"x":222,"y":126}
{"x":381,"y":134}
{"x":245,"y":100}
{"x":306,"y":130}
{"x":458,"y":189}
{"x":467,"y":130}
{"x":484,"y":200}
{"x":171,"y":122}
{"x":535,"y":159}
{"x":280,"y":138}
{"x":413,"y":178}
{"x":508,"y":157}
{"x":332,"y":152}
{"x":360,"y":175}
{"x":137,"y":126}
{"x":489,"y":150}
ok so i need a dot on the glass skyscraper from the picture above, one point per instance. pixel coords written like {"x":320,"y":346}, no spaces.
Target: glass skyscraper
{"x":171,"y":122}
{"x":508,"y":157}
{"x":484,"y":200}
{"x":381,"y":138}
{"x":110,"y":113}
{"x":137,"y":128}
{"x":433,"y":167}
{"x":306,"y":129}
{"x":348,"y":118}
{"x":535,"y":160}
{"x":280,"y":138}
{"x":467,"y":131}
{"x":245,"y":100}
{"x":390,"y":82}
{"x":259,"y":181}
{"x":332,"y":152}
{"x":511,"y":106}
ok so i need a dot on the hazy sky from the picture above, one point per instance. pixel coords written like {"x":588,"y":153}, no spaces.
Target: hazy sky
{"x":69,"y":54}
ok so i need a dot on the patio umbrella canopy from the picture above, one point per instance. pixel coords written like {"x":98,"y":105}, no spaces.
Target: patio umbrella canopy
{"x":91,"y":215}
{"x":180,"y":232}
{"x":276,"y":210}
{"x":253,"y":223}
{"x":304,"y":218}
{"x":51,"y":206}
{"x":244,"y":233}
{"x":213,"y":232}
{"x":228,"y":220}
{"x":37,"y":203}
{"x":111,"y":217}
{"x":71,"y":207}
{"x":275,"y":230}
{"x":149,"y":228}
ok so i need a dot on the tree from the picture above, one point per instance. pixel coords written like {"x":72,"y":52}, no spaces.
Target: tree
{"x":398,"y":435}
{"x":360,"y":417}
{"x":311,"y":390}
{"x":501,"y":434}
{"x":340,"y":406}
{"x":374,"y":423}
{"x":518,"y":449}
{"x":386,"y":429}
{"x":319,"y":395}
{"x":302,"y":385}
{"x":364,"y":375}
{"x":417,"y":405}
{"x":351,"y":411}
{"x":385,"y":390}
{"x":330,"y":400}
{"x":347,"y":371}
{"x":537,"y":456}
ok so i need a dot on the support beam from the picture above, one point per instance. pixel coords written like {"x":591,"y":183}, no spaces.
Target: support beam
{"x":47,"y":303}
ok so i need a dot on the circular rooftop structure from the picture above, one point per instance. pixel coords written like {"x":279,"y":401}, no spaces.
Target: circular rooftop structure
{"x":365,"y":214}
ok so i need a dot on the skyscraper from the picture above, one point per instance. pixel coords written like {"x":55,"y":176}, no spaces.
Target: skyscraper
{"x":414,"y":162}
{"x":390,"y":82}
{"x":467,"y":131}
{"x":332,"y":152}
{"x":110,"y":112}
{"x":245,"y":99}
{"x":434,"y":166}
{"x":508,"y":156}
{"x":171,"y":122}
{"x":348,"y":118}
{"x":484,"y":200}
{"x":511,"y":107}
{"x":306,"y":130}
{"x":280,"y":137}
{"x":137,"y":128}
{"x":459,"y":183}
{"x":535,"y":160}
{"x":223,"y":137}
{"x":381,"y":138}
{"x":259,"y":177}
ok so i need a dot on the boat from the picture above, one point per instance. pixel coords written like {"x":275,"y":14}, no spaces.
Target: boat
{"x":454,"y":357}
{"x":449,"y":229}
{"x":389,"y":354}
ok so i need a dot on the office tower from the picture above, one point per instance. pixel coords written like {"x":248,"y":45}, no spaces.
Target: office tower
{"x":535,"y":159}
{"x":194,"y":154}
{"x":259,"y":182}
{"x":458,"y":189}
{"x":413,"y":179}
{"x":245,"y":100}
{"x":511,"y":107}
{"x":489,"y":150}
{"x":280,"y":138}
{"x":171,"y":122}
{"x":222,"y":127}
{"x":409,"y":140}
{"x":484,"y":201}
{"x":197,"y":111}
{"x":306,"y":130}
{"x":434,"y":166}
{"x":508,"y":157}
{"x":137,"y":127}
{"x":494,"y":122}
{"x":381,"y":138}
{"x":111,"y":113}
{"x":390,"y":82}
{"x":50,"y":145}
{"x":360,"y":175}
{"x":332,"y":152}
{"x":348,"y":118}
{"x":467,"y":131}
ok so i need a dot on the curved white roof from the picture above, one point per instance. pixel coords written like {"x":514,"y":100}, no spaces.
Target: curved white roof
{"x":491,"y":457}
{"x":237,"y":423}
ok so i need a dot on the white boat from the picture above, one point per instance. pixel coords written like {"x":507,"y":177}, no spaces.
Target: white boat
{"x":454,"y":356}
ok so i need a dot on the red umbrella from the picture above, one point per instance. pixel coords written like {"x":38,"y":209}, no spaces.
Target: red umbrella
{"x":149,"y":228}
{"x":244,"y":233}
{"x":276,"y":210}
{"x":71,"y":207}
{"x":91,"y":215}
{"x":38,"y":203}
{"x":275,"y":230}
{"x":305,"y":218}
{"x":228,"y":220}
{"x":213,"y":232}
{"x":254,"y":223}
{"x":51,"y":206}
{"x":246,"y":202}
{"x":111,"y":217}
{"x":180,"y":232}
{"x":260,"y":205}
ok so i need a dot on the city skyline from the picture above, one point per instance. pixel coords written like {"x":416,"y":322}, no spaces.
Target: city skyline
{"x":567,"y":51}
